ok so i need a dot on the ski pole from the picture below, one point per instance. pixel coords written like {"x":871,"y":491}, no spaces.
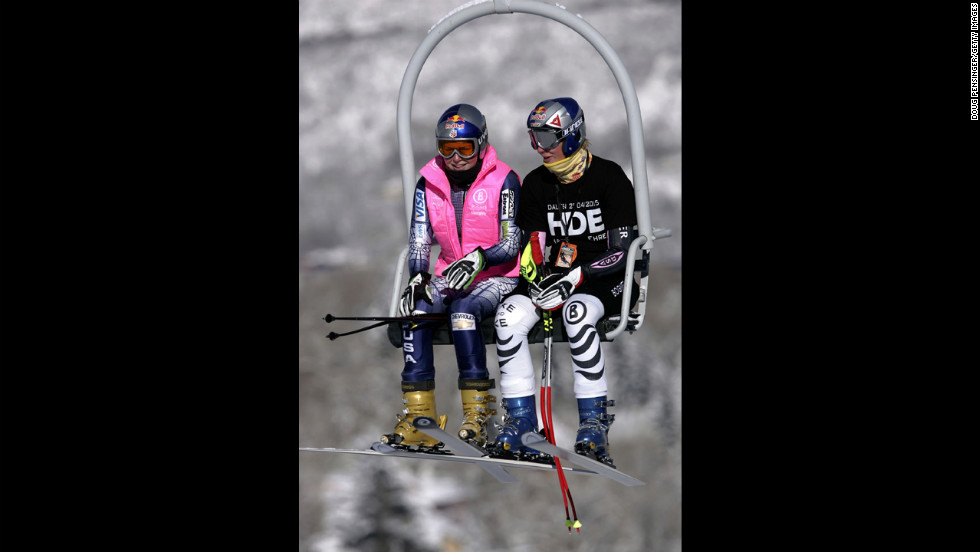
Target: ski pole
{"x":549,"y":424}
{"x":416,"y":318}
{"x":335,"y":335}
{"x":533,"y":268}
{"x":537,"y":258}
{"x":382,"y":320}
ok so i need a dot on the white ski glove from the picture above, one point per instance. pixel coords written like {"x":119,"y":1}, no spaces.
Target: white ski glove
{"x":461,"y":273}
{"x":418,"y":288}
{"x":553,"y":291}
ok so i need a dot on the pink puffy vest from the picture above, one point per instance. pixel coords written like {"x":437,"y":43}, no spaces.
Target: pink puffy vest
{"x":481,"y":225}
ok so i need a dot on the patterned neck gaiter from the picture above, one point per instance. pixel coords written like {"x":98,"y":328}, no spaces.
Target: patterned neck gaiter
{"x":572,"y":167}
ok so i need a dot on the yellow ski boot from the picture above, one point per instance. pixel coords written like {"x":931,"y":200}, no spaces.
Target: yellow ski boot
{"x":476,"y":410}
{"x":417,"y":403}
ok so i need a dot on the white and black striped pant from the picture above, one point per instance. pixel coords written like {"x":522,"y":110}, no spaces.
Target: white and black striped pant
{"x":515,"y":318}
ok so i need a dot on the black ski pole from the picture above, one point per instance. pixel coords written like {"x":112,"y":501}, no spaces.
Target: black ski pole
{"x":381,"y":321}
{"x":417,"y":318}
{"x":335,"y":335}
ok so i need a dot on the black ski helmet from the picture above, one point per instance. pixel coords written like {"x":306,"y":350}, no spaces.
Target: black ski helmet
{"x":554,"y":120}
{"x":463,"y":122}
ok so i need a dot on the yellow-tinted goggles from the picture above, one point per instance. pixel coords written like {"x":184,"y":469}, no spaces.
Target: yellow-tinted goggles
{"x":465,"y":148}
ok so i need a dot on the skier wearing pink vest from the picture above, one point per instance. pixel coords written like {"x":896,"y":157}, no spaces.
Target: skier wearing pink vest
{"x":466,"y":202}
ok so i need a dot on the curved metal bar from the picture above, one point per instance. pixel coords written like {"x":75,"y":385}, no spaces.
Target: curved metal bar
{"x":624,"y":311}
{"x":480,"y":8}
{"x":398,"y":287}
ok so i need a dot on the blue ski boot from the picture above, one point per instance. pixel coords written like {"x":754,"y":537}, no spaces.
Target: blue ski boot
{"x":592,"y":439}
{"x":521,"y":417}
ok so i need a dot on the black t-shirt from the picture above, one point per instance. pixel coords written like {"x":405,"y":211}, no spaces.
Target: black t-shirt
{"x":582,"y":211}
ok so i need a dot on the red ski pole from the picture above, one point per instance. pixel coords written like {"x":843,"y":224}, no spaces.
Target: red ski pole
{"x":566,"y":494}
{"x":549,"y":427}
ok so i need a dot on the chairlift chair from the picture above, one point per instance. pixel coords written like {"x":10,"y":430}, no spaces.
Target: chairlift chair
{"x":638,"y":256}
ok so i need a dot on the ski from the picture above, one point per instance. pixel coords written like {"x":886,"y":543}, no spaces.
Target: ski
{"x":460,"y":447}
{"x":538,"y":442}
{"x":498,"y":472}
{"x":381,"y":449}
{"x":431,"y":428}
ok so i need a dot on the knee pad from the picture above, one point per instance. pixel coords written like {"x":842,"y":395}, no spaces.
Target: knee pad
{"x":516,"y":315}
{"x":515,"y":318}
{"x":581,"y":310}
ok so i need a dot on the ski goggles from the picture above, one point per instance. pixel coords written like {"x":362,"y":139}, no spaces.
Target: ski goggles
{"x":544,"y":139}
{"x":465,"y":148}
{"x":547,"y":139}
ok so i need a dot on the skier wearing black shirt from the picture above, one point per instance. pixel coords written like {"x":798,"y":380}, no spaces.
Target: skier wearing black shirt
{"x":583,"y":207}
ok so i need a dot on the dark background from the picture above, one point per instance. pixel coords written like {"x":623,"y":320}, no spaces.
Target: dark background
{"x":352,"y":226}
{"x":146,"y":256}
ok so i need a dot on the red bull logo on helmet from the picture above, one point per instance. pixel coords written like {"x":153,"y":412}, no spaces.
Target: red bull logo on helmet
{"x":538,"y":114}
{"x":454,"y":123}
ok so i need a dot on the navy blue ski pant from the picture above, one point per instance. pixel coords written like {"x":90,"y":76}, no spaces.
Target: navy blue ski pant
{"x":466,"y":309}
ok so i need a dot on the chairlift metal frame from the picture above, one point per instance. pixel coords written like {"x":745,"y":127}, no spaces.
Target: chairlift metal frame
{"x":612,"y":326}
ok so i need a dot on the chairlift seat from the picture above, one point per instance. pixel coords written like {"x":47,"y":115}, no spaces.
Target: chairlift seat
{"x":442,"y":335}
{"x":610,"y":326}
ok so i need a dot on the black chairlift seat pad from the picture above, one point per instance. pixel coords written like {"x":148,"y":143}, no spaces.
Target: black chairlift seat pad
{"x":442,"y":336}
